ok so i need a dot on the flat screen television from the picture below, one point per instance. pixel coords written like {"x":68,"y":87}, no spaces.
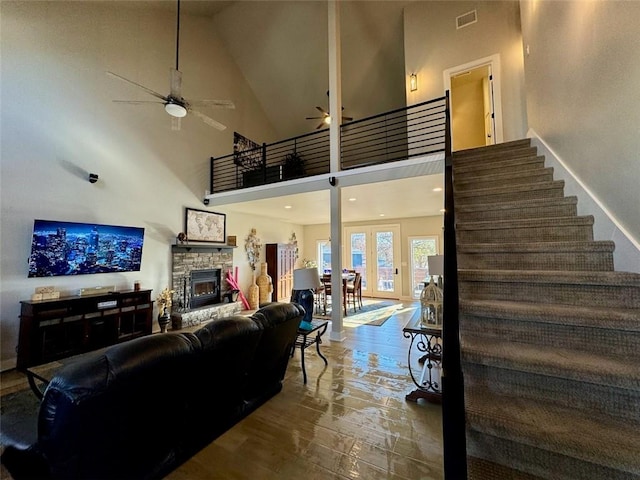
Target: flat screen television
{"x":70,"y":248}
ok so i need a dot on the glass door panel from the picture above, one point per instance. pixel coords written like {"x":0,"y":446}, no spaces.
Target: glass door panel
{"x":419,"y":249}
{"x":358,"y":255}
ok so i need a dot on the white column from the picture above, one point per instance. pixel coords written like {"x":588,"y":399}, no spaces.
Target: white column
{"x":335,"y":101}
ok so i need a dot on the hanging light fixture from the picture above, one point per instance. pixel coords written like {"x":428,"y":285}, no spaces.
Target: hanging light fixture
{"x":413,"y":82}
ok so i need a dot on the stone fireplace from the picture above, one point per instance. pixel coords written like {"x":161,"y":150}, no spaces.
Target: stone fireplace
{"x":198,"y":278}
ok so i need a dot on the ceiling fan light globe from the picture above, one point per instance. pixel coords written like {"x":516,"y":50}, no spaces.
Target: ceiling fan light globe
{"x":327,"y":120}
{"x":175,"y":110}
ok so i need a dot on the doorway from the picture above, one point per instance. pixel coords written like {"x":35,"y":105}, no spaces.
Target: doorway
{"x":374,"y":252}
{"x":474,"y":89}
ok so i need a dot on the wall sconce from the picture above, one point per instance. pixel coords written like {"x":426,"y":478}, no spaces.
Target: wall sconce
{"x":413,"y":82}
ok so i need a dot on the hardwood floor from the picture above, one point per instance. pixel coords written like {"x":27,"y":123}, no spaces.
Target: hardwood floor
{"x":349,"y":421}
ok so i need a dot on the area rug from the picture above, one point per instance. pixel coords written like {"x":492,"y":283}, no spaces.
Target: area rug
{"x":374,"y":313}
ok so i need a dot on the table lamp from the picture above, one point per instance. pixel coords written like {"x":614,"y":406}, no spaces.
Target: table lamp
{"x":305,"y":282}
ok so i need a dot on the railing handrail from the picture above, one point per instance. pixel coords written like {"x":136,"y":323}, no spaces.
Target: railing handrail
{"x":453,"y":412}
{"x":391,"y":112}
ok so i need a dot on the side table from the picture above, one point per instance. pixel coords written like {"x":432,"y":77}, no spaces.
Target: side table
{"x":306,"y":338}
{"x":427,"y":341}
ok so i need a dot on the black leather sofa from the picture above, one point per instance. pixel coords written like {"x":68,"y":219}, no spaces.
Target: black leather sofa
{"x":139,"y":409}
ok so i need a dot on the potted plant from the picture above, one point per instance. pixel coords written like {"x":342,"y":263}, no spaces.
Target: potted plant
{"x":292,"y":166}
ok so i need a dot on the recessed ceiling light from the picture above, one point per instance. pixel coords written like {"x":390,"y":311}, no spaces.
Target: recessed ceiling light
{"x":288,"y":207}
{"x":352,"y":199}
{"x":442,"y":210}
{"x":382,"y":214}
{"x":437,"y":189}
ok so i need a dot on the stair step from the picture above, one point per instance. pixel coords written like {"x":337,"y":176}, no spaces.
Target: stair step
{"x":528,"y":230}
{"x":494,"y":153}
{"x":540,"y":463}
{"x":592,"y":256}
{"x":589,"y":289}
{"x":575,"y":328}
{"x":512,"y":193}
{"x":583,"y":436}
{"x":520,"y":209}
{"x":521,"y":177}
{"x":617,"y":402}
{"x":552,"y":362}
{"x":500,"y":166}
{"x":481,"y":469}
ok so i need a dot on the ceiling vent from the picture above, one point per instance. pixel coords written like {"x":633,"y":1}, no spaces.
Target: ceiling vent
{"x":466,"y":19}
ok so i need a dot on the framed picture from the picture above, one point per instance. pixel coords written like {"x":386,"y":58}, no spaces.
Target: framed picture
{"x":203,"y":226}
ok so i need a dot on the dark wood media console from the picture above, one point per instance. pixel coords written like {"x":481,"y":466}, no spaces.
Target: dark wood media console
{"x":54,"y":329}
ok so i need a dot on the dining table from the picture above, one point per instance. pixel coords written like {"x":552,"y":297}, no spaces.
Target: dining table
{"x":325,"y":279}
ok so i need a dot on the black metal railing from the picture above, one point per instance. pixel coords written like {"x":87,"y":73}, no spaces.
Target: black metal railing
{"x":400,"y":134}
{"x":453,"y":413}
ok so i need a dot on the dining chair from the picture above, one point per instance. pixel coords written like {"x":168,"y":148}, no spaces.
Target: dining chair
{"x":354,"y":291}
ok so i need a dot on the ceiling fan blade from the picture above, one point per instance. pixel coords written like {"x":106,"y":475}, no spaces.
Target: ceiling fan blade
{"x":175,"y":79}
{"x":148,"y":90}
{"x":212,"y":103}
{"x":347,"y":119}
{"x":208,"y":120}
{"x":138,"y":102}
{"x":176,"y":123}
{"x":320,"y":126}
{"x":324,"y":112}
{"x":314,"y":118}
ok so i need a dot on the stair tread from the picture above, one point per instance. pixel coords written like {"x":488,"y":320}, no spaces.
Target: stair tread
{"x":552,"y":277}
{"x":550,"y":184}
{"x":473,"y":167}
{"x":626,"y":319}
{"x":525,"y":222}
{"x":528,"y":203}
{"x":536,"y":247}
{"x":588,"y":436}
{"x":512,"y":144}
{"x":525,"y":172}
{"x":621,"y":372}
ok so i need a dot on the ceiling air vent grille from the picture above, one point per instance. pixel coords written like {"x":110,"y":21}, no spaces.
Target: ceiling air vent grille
{"x":466,"y":19}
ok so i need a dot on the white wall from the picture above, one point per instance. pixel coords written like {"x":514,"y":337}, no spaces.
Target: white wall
{"x":432,"y":44}
{"x":583,"y":78}
{"x":59,"y":123}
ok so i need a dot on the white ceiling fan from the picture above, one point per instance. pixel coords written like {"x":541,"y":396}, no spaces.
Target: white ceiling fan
{"x":174,"y":104}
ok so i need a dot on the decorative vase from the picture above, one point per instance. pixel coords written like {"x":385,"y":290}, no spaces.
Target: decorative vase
{"x":163,"y":320}
{"x":254,"y":294}
{"x":265,"y":285}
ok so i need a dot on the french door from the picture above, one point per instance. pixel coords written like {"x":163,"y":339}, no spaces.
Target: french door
{"x":374,"y":251}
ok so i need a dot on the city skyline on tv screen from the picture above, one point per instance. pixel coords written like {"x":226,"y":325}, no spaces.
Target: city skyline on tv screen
{"x":71,"y":248}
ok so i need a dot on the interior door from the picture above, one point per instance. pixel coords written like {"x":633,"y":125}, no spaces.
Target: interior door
{"x":374,"y":251}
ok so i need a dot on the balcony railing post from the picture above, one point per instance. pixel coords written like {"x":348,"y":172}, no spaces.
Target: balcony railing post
{"x":264,"y":163}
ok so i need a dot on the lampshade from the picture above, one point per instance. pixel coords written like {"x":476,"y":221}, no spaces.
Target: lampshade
{"x":436,"y":264}
{"x":306,"y":279}
{"x":175,"y":109}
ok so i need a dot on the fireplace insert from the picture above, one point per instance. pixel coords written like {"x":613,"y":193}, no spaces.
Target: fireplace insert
{"x":205,"y":287}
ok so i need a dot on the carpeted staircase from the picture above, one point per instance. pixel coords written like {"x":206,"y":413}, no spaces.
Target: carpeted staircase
{"x":550,"y":332}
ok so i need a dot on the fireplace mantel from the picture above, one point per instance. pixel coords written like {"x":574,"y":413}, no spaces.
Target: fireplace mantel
{"x":205,"y":247}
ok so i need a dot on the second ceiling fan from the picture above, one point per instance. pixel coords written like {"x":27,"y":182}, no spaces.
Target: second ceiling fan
{"x":174,"y":104}
{"x":325,"y":119}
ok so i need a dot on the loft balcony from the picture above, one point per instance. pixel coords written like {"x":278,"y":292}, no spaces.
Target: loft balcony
{"x":403,"y":134}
